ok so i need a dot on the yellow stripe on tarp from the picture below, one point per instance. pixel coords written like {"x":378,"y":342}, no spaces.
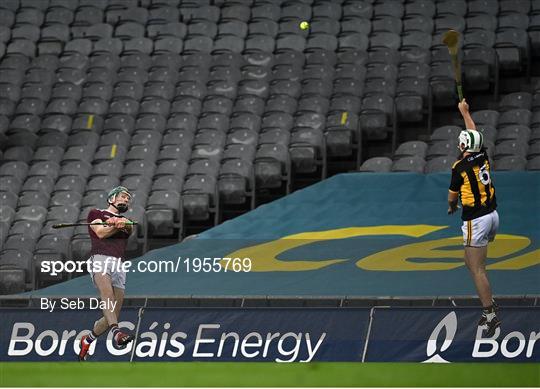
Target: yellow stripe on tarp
{"x":344,"y":117}
{"x":90,"y":123}
{"x":113,"y":151}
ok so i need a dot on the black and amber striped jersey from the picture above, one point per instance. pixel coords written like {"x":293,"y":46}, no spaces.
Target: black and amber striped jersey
{"x":471,"y":178}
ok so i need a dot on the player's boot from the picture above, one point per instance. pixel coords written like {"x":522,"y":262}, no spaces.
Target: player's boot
{"x":85,"y":346}
{"x":492,"y":325}
{"x":123,"y":339}
{"x":483,"y":319}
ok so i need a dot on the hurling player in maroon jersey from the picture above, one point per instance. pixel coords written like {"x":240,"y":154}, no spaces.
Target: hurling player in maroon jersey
{"x":108,"y":248}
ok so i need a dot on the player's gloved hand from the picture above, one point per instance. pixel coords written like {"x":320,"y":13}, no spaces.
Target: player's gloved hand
{"x":452,"y":208}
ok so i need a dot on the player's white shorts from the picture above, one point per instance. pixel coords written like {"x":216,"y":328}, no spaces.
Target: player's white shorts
{"x":111,"y":266}
{"x":478,"y":232}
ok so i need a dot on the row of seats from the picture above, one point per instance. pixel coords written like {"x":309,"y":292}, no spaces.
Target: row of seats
{"x":141,"y":10}
{"x":353,"y":24}
{"x":421,"y":157}
{"x":144,"y":146}
{"x":511,"y":135}
{"x":507,"y":47}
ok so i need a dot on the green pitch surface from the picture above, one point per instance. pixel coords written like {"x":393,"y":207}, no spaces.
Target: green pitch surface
{"x":116,"y":374}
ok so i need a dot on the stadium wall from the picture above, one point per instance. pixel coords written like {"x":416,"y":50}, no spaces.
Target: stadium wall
{"x":356,"y":235}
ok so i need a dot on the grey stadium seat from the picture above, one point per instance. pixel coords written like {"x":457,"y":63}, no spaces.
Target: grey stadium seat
{"x":377,"y":115}
{"x":512,"y":48}
{"x":12,"y":280}
{"x":516,"y":132}
{"x":171,"y":166}
{"x":486,"y":117}
{"x":74,"y":167}
{"x":516,"y":100}
{"x":7,"y":214}
{"x":168,"y":182}
{"x":353,"y":40}
{"x":488,"y":132}
{"x":409,"y":164}
{"x":96,"y":199}
{"x":29,"y":228}
{"x":112,"y":167}
{"x":18,"y":153}
{"x":411,"y":148}
{"x":534,"y":150}
{"x":17,"y":270}
{"x":533,"y":163}
{"x":352,"y":71}
{"x":79,"y":153}
{"x":307,"y":150}
{"x":65,"y":198}
{"x":137,"y":183}
{"x":43,"y":184}
{"x":199,"y":197}
{"x":376,"y":165}
{"x":358,"y":8}
{"x":442,"y":148}
{"x":32,"y":197}
{"x":515,"y":116}
{"x":65,"y":213}
{"x":102,"y":183}
{"x":439,"y":164}
{"x":16,"y":168}
{"x":443,"y":84}
{"x":272,"y":166}
{"x":87,"y":139}
{"x":235,"y":180}
{"x":510,"y":163}
{"x":511,"y":148}
{"x":8,"y":196}
{"x":173,"y":29}
{"x":45,"y":168}
{"x":410,"y":105}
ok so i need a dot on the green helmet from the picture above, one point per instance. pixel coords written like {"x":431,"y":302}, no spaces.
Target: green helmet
{"x":116,"y":191}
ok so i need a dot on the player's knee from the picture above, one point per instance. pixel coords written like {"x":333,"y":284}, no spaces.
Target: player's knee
{"x":478,"y":271}
{"x":107,"y":295}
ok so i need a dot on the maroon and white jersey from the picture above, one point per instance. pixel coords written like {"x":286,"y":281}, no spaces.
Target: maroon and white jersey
{"x":114,"y":245}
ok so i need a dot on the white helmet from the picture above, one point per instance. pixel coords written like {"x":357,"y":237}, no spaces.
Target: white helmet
{"x":471,"y":141}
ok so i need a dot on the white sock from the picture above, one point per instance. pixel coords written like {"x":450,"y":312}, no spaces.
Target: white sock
{"x":489,"y":313}
{"x":490,"y":316}
{"x":90,"y":338}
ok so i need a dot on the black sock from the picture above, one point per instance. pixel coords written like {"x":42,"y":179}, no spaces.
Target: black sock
{"x":489,"y":309}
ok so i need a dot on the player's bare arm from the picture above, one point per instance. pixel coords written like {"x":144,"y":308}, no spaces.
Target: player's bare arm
{"x":104,"y":231}
{"x":464,"y":109}
{"x":452,"y":202}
